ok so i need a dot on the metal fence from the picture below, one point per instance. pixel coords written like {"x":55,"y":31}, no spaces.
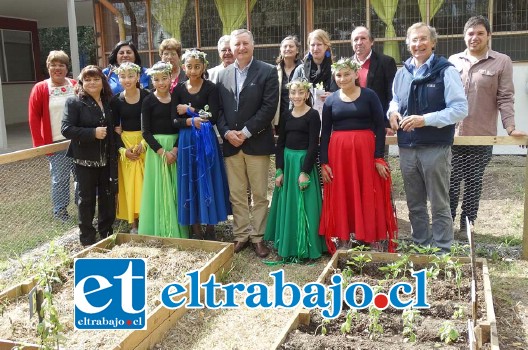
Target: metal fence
{"x":27,"y":218}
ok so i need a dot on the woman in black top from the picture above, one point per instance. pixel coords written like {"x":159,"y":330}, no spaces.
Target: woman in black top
{"x":89,"y":124}
{"x":159,"y":214}
{"x":126,"y":107}
{"x":293,"y":220}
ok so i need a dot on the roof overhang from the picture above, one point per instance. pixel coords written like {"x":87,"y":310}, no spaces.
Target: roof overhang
{"x":48,"y":13}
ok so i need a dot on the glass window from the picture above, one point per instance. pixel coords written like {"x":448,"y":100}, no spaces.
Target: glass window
{"x":453,"y":14}
{"x":510,"y":15}
{"x":19,"y":62}
{"x":272,"y":21}
{"x":339,"y":17}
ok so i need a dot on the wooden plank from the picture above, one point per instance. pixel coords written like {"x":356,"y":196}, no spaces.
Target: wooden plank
{"x":477,"y":140}
{"x":524,"y":253}
{"x":8,"y":345}
{"x":33,"y":152}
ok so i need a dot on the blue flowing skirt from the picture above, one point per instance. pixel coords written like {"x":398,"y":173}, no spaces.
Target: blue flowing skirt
{"x":203,"y":193}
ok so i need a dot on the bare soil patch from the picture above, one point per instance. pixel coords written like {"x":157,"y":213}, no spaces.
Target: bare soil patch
{"x":384,"y":330}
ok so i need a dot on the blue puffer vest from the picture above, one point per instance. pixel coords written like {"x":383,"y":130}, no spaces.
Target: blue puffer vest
{"x":420,"y":96}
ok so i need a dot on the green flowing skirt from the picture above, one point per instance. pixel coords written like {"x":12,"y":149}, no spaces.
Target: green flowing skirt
{"x":159,"y":200}
{"x":293,"y":220}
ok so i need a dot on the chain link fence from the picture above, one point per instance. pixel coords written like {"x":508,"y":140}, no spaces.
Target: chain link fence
{"x":27,"y":217}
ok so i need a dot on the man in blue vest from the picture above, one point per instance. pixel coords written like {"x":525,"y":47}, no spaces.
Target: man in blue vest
{"x":428,"y":100}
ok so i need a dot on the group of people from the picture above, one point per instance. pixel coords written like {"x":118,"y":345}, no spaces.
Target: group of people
{"x":159,"y":152}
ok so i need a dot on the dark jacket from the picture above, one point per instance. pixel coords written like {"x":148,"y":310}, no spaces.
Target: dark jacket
{"x":380,"y":76}
{"x":420,"y":96}
{"x":81,"y":116}
{"x":256,"y":108}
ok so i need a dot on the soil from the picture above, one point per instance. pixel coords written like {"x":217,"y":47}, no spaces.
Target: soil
{"x":443,"y":295}
{"x":165,"y":264}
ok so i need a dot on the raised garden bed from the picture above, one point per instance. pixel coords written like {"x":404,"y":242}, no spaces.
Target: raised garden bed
{"x":450,"y":301}
{"x":168,"y":261}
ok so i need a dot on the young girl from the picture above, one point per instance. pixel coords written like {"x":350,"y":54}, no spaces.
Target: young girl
{"x":356,"y":178}
{"x":126,"y":107}
{"x":293,"y":220}
{"x":203,"y":196}
{"x":159,"y":198}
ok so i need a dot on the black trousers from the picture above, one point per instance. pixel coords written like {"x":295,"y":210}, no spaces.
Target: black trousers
{"x":469,"y":163}
{"x":94,"y":184}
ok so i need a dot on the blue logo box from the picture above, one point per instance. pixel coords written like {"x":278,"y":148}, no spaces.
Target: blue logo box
{"x":110,"y":293}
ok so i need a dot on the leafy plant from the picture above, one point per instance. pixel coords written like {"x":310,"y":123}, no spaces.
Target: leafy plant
{"x":323,"y":325}
{"x":375,"y":328}
{"x":459,"y":313}
{"x":48,"y":274}
{"x":458,"y":249}
{"x":360,"y":248}
{"x":347,"y":276}
{"x":448,"y":332}
{"x":399,"y":266}
{"x":351,"y":315}
{"x":410,"y":317}
{"x":426,"y":250}
{"x":360,"y":261}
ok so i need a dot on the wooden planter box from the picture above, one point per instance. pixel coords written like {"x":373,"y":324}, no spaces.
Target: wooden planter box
{"x":160,"y":319}
{"x":485,"y":332}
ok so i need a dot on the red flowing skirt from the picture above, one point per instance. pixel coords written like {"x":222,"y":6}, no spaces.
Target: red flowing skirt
{"x":356,"y":199}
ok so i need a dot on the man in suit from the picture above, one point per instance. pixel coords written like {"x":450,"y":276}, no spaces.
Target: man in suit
{"x":249,"y":91}
{"x":377,"y":70}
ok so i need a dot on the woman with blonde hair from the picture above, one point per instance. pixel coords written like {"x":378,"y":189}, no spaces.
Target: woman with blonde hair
{"x":317,"y":66}
{"x":287,"y":61}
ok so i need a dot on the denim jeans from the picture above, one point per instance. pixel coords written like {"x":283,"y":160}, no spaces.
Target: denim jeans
{"x":60,"y":168}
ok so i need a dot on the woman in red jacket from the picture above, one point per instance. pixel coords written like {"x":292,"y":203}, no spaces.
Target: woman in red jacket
{"x":46,"y":106}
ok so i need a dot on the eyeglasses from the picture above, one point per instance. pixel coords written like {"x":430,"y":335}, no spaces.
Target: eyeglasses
{"x":225,"y":50}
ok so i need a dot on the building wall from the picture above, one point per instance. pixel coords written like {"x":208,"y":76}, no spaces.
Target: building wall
{"x":16,"y":102}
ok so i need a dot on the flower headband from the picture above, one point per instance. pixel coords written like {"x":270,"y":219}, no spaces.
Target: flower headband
{"x":302,"y":83}
{"x":126,"y":66}
{"x":160,"y":68}
{"x":196,"y":54}
{"x":345,"y":63}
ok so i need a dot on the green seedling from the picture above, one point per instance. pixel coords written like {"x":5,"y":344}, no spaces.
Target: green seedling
{"x":360,"y":261}
{"x":323,"y":325}
{"x":359,"y":248}
{"x":352,"y":315}
{"x":410,"y":317}
{"x":459,"y":313}
{"x":448,"y":332}
{"x":426,"y":250}
{"x":458,"y":249}
{"x":375,"y":328}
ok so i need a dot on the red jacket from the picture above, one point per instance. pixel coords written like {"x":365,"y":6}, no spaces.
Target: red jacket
{"x":39,"y":117}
